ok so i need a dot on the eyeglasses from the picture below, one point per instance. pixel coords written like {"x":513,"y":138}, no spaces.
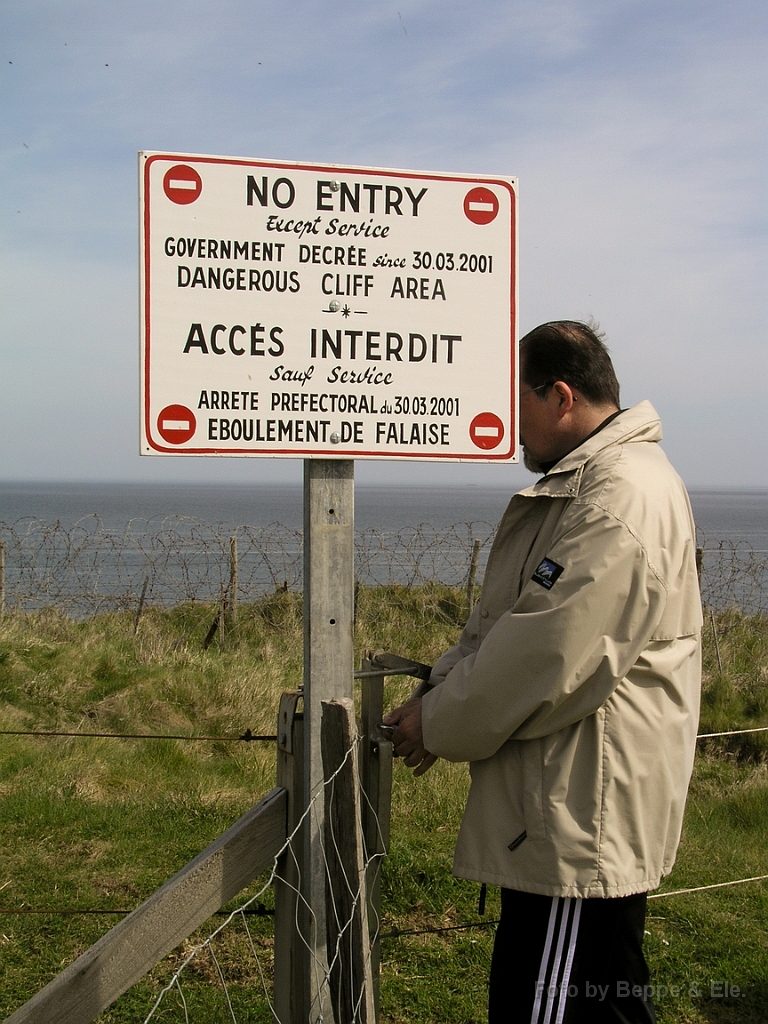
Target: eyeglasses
{"x":531,"y":390}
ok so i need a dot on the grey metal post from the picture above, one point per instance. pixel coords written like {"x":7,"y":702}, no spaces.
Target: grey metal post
{"x":329,"y":493}
{"x":290,"y":912}
{"x":376,"y":770}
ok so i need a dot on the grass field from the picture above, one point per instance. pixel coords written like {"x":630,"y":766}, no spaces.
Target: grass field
{"x":100,"y":823}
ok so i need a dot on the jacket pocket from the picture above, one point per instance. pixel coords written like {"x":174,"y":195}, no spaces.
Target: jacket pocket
{"x":532,"y":774}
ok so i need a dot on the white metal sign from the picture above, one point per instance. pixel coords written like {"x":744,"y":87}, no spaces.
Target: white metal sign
{"x":321,"y":311}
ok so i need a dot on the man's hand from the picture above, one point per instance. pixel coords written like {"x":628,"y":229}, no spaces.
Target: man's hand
{"x":407,"y":739}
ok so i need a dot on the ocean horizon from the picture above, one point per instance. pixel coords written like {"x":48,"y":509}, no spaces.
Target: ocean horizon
{"x":89,"y":546}
{"x":739,"y":516}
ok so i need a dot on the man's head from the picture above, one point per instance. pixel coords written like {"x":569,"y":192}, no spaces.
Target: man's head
{"x":567,"y":388}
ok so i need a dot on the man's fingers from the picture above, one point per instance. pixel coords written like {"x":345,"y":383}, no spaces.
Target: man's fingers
{"x":425,"y":765}
{"x":414,"y":758}
{"x":407,"y":739}
{"x":418,"y":756}
{"x":403,"y":711}
{"x":405,"y":748}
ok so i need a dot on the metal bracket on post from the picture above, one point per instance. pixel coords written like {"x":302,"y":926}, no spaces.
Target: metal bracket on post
{"x":376,"y":781}
{"x":290,"y":910}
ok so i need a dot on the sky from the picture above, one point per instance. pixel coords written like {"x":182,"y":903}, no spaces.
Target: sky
{"x":636,"y":128}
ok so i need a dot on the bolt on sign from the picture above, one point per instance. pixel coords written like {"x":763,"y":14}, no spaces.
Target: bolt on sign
{"x":315,"y":310}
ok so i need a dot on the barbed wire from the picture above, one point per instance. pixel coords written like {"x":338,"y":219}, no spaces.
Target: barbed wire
{"x":246,"y":737}
{"x":87,"y":568}
{"x":258,"y":911}
{"x":395,"y":932}
{"x":734,"y":574}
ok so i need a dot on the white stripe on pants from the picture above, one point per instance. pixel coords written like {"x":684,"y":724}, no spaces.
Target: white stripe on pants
{"x":557,"y":960}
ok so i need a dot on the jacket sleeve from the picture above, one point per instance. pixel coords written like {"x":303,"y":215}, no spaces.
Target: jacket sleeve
{"x":468,"y":644}
{"x":558,"y":654}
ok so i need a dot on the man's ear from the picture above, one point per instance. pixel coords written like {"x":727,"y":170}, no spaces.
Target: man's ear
{"x":565,"y":396}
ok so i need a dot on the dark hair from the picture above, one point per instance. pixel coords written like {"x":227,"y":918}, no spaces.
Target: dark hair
{"x":574,"y":353}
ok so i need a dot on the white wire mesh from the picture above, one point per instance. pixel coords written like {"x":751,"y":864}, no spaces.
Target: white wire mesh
{"x":305,"y":921}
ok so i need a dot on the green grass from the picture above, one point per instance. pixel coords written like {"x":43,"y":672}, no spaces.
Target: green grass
{"x":100,"y":823}
{"x":737,"y":697}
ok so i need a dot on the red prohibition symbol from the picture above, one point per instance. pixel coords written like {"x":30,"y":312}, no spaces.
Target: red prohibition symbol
{"x":176,"y":424}
{"x":182,"y":184}
{"x":481,"y":205}
{"x":486,"y":430}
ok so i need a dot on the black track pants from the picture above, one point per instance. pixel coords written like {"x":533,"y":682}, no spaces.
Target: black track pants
{"x":565,"y":960}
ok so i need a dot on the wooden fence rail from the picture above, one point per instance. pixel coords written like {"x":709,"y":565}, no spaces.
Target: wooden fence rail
{"x":354,"y":831}
{"x":133,"y":947}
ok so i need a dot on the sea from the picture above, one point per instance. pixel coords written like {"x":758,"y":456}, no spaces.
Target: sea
{"x":88,"y":546}
{"x":736,"y":516}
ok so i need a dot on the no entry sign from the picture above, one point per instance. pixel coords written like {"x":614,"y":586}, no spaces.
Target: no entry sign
{"x":176,"y":424}
{"x":182,"y":184}
{"x":315,"y":310}
{"x":481,"y":205}
{"x":487,"y":430}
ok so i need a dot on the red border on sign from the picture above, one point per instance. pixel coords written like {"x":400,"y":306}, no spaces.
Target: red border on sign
{"x":329,"y":452}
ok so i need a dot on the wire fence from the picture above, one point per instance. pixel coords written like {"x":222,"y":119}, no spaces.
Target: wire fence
{"x":86,"y":568}
{"x":259,"y":909}
{"x":256,"y":961}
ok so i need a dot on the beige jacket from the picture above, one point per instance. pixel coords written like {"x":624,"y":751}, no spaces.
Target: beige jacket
{"x":574,"y":689}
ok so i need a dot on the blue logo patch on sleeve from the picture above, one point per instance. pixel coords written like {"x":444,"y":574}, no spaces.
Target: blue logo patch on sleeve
{"x":547,"y":573}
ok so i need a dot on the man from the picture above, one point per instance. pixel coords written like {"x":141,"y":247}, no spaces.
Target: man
{"x":573,"y":692}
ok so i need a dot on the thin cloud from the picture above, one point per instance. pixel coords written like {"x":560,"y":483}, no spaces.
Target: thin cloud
{"x":636,"y":127}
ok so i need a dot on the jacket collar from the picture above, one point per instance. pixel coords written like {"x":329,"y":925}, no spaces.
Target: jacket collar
{"x":640,"y":423}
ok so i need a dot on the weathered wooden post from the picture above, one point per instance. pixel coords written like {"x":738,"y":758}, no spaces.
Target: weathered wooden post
{"x":350,"y":968}
{"x":476,"y":545}
{"x":139,"y":610}
{"x":233,"y":583}
{"x":328,"y":673}
{"x":717,"y":642}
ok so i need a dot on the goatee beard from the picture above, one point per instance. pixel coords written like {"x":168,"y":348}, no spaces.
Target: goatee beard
{"x":531,"y":464}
